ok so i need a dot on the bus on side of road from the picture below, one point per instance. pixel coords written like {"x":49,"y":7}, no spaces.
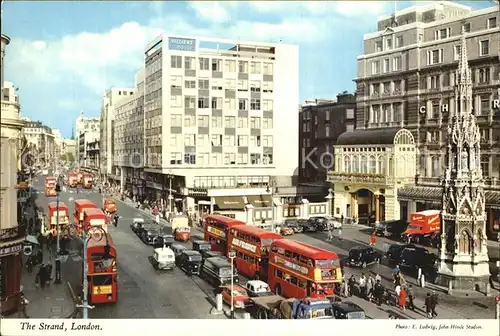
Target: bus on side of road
{"x":216,"y":230}
{"x":51,"y":222}
{"x":252,"y":246}
{"x":301,"y":270}
{"x":102,"y":270}
{"x":80,"y":206}
{"x":94,"y":217}
{"x":50,"y":186}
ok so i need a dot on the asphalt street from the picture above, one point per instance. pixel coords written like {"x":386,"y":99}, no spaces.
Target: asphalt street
{"x":146,"y":293}
{"x":143,"y":292}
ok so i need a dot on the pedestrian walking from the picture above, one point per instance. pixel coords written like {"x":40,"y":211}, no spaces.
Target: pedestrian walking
{"x":369,"y":288}
{"x":434,"y":303}
{"x":397,"y":289}
{"x":402,"y":299}
{"x":422,"y":280}
{"x":362,"y":285}
{"x":340,"y":234}
{"x":373,"y":239}
{"x":351,"y":284}
{"x":330,"y":235}
{"x":346,"y":288}
{"x":115,"y":219}
{"x":29,"y":264}
{"x":379,"y":293}
{"x":42,"y":276}
{"x":342,"y":219}
{"x":419,"y":274}
{"x":411,"y":296}
{"x":428,"y":305}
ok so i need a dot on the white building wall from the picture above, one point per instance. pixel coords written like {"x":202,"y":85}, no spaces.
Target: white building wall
{"x":285,"y":101}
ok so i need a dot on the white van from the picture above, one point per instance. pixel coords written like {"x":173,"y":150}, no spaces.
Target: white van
{"x":163,"y":258}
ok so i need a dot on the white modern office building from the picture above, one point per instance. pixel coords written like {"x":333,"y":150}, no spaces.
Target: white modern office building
{"x":220,"y":117}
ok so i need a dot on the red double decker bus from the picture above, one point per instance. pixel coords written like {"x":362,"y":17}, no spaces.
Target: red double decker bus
{"x":252,"y":246}
{"x":300,"y":270}
{"x":102,"y":271}
{"x":216,"y":229}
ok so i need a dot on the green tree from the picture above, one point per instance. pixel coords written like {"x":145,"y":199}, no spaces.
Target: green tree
{"x":70,"y":157}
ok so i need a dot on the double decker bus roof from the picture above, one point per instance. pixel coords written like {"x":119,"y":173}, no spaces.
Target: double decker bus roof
{"x":225,"y":220}
{"x":101,"y":242}
{"x":255,"y":231}
{"x":306,"y":250}
{"x":93,"y":211}
{"x":54,"y":205}
{"x":81,"y":202}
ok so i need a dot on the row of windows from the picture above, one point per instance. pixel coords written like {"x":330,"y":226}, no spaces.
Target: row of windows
{"x":221,"y":65}
{"x":176,"y":120}
{"x":441,"y":136}
{"x":302,"y":260}
{"x":290,"y":278}
{"x":220,"y":140}
{"x":435,"y":56}
{"x":228,"y":181}
{"x":386,"y":43}
{"x":242,"y":85}
{"x":216,"y":159}
{"x":435,"y":166}
{"x":291,"y":212}
{"x":216,"y":103}
{"x":481,"y":104}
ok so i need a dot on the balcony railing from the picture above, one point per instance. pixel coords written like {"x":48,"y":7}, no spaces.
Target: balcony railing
{"x":489,"y":182}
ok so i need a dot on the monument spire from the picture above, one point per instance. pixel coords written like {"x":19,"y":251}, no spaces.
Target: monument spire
{"x":463,"y":255}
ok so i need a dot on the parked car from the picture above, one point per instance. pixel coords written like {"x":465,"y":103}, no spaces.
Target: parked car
{"x":189,"y":261}
{"x":363,"y":256}
{"x":210,"y":254}
{"x":391,"y":228}
{"x":150,"y":233}
{"x":164,"y":240}
{"x":431,"y":240}
{"x":347,"y":310}
{"x":308,"y":226}
{"x":417,"y":257}
{"x":393,"y":253}
{"x":286,"y":231}
{"x":178,"y":248}
{"x":202,"y":246}
{"x":136,"y":225}
{"x":238,"y":295}
{"x":294,"y":224}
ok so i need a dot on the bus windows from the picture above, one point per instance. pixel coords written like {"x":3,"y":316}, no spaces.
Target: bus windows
{"x":278,"y":274}
{"x":293,"y":280}
{"x":264,"y":262}
{"x":288,"y":254}
{"x":102,"y":280}
{"x":296,"y":256}
{"x":302,"y":284}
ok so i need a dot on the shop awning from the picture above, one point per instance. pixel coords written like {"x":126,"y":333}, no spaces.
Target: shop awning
{"x":230,"y":202}
{"x":260,"y":201}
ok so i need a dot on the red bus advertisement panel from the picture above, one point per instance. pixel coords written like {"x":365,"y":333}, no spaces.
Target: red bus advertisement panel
{"x":94,"y":217}
{"x":252,"y":246}
{"x":51,"y":223}
{"x":216,"y":230}
{"x":102,"y":270}
{"x":50,"y":186}
{"x":300,"y":270}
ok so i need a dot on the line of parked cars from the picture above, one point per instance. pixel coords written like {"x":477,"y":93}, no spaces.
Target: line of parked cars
{"x":313,"y":224}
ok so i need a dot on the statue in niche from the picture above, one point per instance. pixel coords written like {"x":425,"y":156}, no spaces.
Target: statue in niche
{"x":472,"y":156}
{"x":464,"y":160}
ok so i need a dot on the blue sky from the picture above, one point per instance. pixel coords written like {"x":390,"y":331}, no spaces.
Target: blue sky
{"x":63,"y":55}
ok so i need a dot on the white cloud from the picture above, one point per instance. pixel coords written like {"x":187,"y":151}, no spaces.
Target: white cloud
{"x":211,"y":11}
{"x":99,"y":60}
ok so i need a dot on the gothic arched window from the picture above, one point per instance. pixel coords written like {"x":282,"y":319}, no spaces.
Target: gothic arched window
{"x":465,"y":243}
{"x":347,"y":164}
{"x":372,"y":168}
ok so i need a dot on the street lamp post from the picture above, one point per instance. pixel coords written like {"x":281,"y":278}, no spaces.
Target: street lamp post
{"x":232,"y":255}
{"x":170,"y":176}
{"x":58,"y":251}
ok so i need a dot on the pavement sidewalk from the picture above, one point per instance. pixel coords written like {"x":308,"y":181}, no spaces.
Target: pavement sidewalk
{"x":54,"y":301}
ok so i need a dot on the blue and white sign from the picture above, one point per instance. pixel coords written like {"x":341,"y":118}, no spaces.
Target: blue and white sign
{"x":181,"y":44}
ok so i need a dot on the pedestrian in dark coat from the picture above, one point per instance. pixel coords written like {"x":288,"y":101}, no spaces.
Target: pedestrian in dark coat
{"x":411,"y":296}
{"x":428,"y":305}
{"x":42,"y":276}
{"x":351,"y":284}
{"x":378,"y":292}
{"x":434,"y":303}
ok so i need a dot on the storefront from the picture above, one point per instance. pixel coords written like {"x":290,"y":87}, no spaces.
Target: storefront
{"x":230,"y":206}
{"x":263,"y":207}
{"x":11,"y":245}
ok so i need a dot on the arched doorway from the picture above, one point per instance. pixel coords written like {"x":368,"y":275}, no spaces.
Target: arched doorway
{"x":366,"y":205}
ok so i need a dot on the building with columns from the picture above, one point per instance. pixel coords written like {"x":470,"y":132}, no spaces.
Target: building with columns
{"x":371,"y":166}
{"x":41,"y":138}
{"x":12,"y":234}
{"x":406,"y":79}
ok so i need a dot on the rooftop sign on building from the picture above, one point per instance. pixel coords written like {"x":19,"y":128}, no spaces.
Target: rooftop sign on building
{"x":181,"y":44}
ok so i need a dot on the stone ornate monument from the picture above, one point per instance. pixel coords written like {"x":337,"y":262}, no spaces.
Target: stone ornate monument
{"x":463,"y":256}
